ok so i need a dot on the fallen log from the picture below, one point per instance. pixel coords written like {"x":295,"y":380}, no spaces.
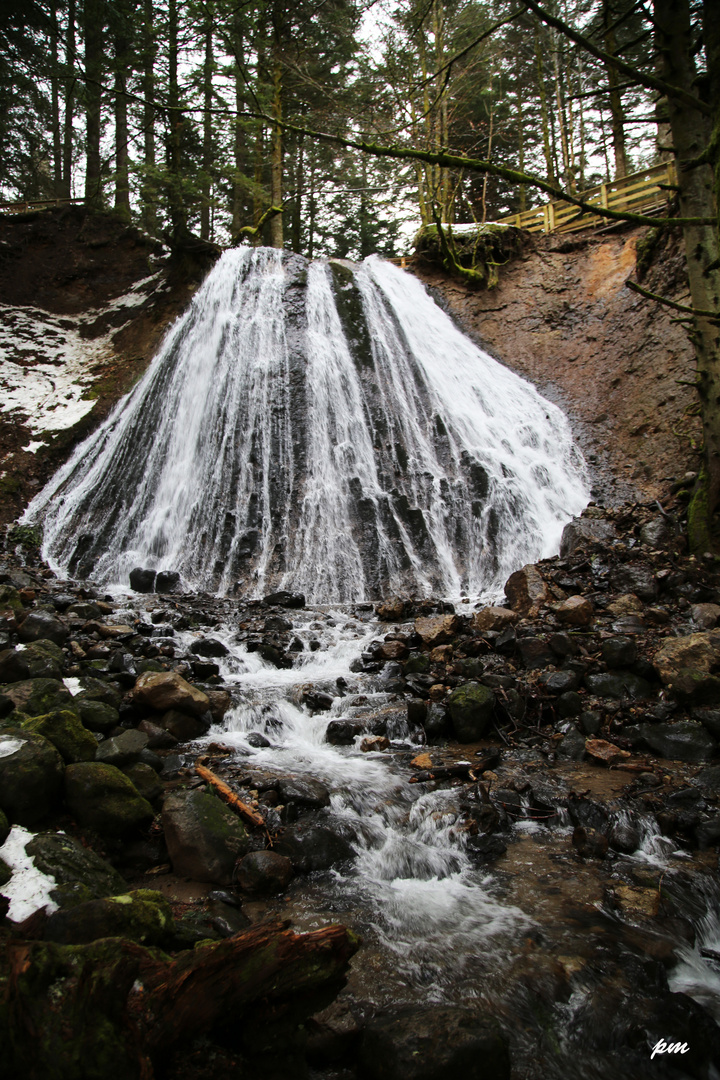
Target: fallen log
{"x":228,"y":795}
{"x":113,"y":1008}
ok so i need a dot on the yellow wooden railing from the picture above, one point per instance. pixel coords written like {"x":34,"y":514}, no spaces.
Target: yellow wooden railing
{"x":35,"y":204}
{"x":644,"y":192}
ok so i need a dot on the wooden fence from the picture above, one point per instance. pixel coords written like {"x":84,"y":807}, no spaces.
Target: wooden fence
{"x":35,"y":204}
{"x":644,"y":192}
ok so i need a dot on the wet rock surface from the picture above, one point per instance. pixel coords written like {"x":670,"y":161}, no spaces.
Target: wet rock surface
{"x":568,"y":761}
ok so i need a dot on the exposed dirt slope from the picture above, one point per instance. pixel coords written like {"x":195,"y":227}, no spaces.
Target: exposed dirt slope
{"x":563,"y":317}
{"x":84,"y":301}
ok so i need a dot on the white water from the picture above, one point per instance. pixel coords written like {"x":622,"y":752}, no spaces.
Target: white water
{"x":266,"y":445}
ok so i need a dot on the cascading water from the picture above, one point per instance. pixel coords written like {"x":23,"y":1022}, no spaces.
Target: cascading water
{"x":322,"y":429}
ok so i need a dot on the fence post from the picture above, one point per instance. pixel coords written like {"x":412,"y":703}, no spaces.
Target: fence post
{"x":603,"y":196}
{"x":551,"y":218}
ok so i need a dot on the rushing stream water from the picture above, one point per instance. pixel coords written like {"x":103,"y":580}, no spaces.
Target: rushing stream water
{"x":327,"y":429}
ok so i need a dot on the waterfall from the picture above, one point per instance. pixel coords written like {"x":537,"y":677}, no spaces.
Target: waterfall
{"x":321,"y":428}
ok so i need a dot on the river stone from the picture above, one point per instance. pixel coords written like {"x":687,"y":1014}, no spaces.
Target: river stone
{"x":437,"y":629}
{"x":526,"y":591}
{"x":100,"y":797}
{"x":10,"y":598}
{"x":285,"y":599}
{"x":145,"y":780}
{"x":392,"y":610}
{"x":83,"y":609}
{"x":35,"y":662}
{"x":264,"y":873}
{"x":572,"y":745}
{"x":619,"y":652}
{"x":158,"y":737}
{"x":142,"y":581}
{"x":417,"y":664}
{"x":123,"y":749}
{"x":656,"y":532}
{"x":585,"y":533}
{"x":93,"y":689}
{"x":67,"y":734}
{"x":535,"y":652}
{"x":35,"y":697}
{"x":471,"y":709}
{"x":434,"y":1042}
{"x":559,"y":682}
{"x":80,"y":874}
{"x":343,"y":732}
{"x":96,"y":715}
{"x":204,"y":837}
{"x":710,"y":719}
{"x":311,"y":847}
{"x":624,"y":836}
{"x":166,"y":581}
{"x":392,"y":650}
{"x":304,"y":792}
{"x":143,"y":915}
{"x":43,"y":624}
{"x":705,"y":616}
{"x":682,"y":741}
{"x":168,"y":690}
{"x":181,"y":727}
{"x":575,"y":611}
{"x":208,"y":647}
{"x":636,"y":579}
{"x":31,"y":776}
{"x":493,"y":618}
{"x":695,"y":652}
{"x":618,"y":685}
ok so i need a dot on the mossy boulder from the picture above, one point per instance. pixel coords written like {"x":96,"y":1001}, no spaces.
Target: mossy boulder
{"x":102,"y":798}
{"x":81,"y":875}
{"x":143,"y":915}
{"x":37,"y":661}
{"x":31,"y":776}
{"x":10,"y":600}
{"x":65,"y":731}
{"x":417,"y":664}
{"x":204,"y":837}
{"x":5,"y":873}
{"x":36,"y":697}
{"x":4,"y":827}
{"x":471,"y":709}
{"x":145,"y":780}
{"x":93,"y":689}
{"x":96,"y":715}
{"x":40,"y":624}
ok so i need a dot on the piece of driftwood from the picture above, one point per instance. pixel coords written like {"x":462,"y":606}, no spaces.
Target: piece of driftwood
{"x":113,"y":1008}
{"x":228,"y":795}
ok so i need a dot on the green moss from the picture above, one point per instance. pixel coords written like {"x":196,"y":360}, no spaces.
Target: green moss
{"x":80,"y":874}
{"x":27,"y":536}
{"x":475,"y":255}
{"x":645,"y":251}
{"x":5,"y":873}
{"x":699,"y":534}
{"x":102,"y":798}
{"x":67,"y":734}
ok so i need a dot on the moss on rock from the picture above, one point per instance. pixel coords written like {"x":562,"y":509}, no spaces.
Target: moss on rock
{"x":31,"y":775}
{"x":65,"y":731}
{"x":471,"y":708}
{"x":142,"y":915}
{"x":104,"y":799}
{"x":80,"y":873}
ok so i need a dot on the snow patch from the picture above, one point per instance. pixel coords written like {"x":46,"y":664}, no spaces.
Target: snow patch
{"x":28,"y":890}
{"x":10,"y":745}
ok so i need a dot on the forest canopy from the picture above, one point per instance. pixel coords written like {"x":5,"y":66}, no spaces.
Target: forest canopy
{"x":172,"y":111}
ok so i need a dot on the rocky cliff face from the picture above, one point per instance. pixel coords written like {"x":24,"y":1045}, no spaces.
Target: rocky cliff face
{"x":618,"y":364}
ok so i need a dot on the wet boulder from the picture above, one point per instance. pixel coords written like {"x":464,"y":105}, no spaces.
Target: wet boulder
{"x":285,"y":599}
{"x":4,"y":827}
{"x":392,"y":610}
{"x":142,"y":581}
{"x":96,"y":715}
{"x":585,"y":533}
{"x":31,"y":776}
{"x":123,"y":749}
{"x":311,"y":847}
{"x":208,"y":647}
{"x":575,"y":611}
{"x":434,"y":1042}
{"x":143,"y":915}
{"x":182,"y":727}
{"x":698,"y":653}
{"x":64,"y":730}
{"x":493,"y":618}
{"x":471,"y":709}
{"x":344,"y":732}
{"x":204,"y":837}
{"x":619,"y":652}
{"x":535,"y":652}
{"x":145,"y":779}
{"x":80,"y":873}
{"x":526,"y":591}
{"x":681,"y":741}
{"x":437,"y":629}
{"x":35,"y":662}
{"x":163,"y":690}
{"x":300,"y":794}
{"x":167,"y":581}
{"x":40,"y":625}
{"x":636,"y":579}
{"x":705,"y":616}
{"x":618,"y":685}
{"x":35,"y":697}
{"x":102,"y":798}
{"x":264,"y":873}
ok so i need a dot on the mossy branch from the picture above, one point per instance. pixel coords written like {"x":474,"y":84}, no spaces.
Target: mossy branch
{"x":252,"y":232}
{"x":459,"y":161}
{"x":694,"y":312}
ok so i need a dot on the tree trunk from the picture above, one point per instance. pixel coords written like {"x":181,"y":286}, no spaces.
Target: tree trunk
{"x":93,"y":29}
{"x":616,"y":109}
{"x":297,"y":214}
{"x":690,"y":134}
{"x":206,"y":178}
{"x":122,"y":176}
{"x":70,"y":79}
{"x":55,"y":102}
{"x":148,"y":192}
{"x":544,"y":115}
{"x":238,"y":201}
{"x":176,"y":199}
{"x":276,"y":153}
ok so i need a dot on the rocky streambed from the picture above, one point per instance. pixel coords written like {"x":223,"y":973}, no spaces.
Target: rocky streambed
{"x":399,"y":839}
